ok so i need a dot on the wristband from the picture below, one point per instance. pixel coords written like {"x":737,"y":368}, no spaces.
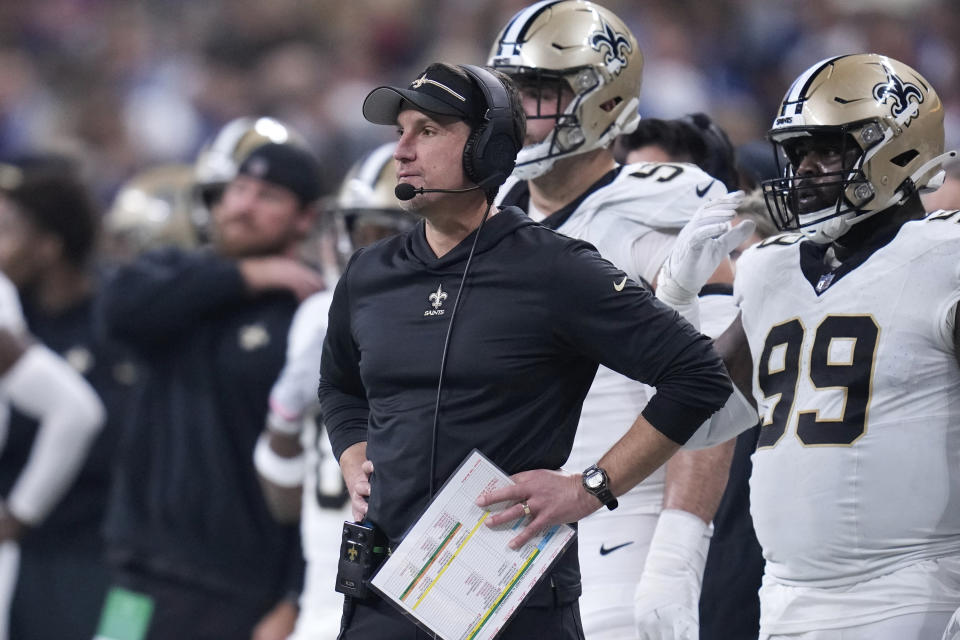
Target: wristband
{"x":283,"y":472}
{"x":680,"y":539}
{"x":289,"y":423}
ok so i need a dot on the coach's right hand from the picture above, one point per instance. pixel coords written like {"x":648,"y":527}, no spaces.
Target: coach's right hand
{"x":356,"y":470}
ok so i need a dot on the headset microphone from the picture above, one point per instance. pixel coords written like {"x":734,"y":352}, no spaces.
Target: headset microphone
{"x":405,"y":191}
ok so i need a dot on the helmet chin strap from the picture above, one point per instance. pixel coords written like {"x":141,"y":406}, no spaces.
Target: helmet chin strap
{"x":531,"y":162}
{"x":936,"y":181}
{"x":829,"y":230}
{"x":834,"y":228}
{"x":535,"y":160}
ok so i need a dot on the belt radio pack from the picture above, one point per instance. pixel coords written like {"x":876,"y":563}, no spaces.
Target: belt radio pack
{"x":361,"y":554}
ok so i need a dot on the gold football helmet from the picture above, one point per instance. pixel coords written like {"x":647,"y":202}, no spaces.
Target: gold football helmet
{"x":365,"y":209}
{"x":888,"y":123}
{"x":219,"y":159}
{"x":154,"y":208}
{"x":586,"y":48}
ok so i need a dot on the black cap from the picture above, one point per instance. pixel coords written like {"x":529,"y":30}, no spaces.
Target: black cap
{"x":287,"y":166}
{"x":437,"y":90}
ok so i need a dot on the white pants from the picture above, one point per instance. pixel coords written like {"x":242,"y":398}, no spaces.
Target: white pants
{"x":613,"y":550}
{"x":914,"y":626}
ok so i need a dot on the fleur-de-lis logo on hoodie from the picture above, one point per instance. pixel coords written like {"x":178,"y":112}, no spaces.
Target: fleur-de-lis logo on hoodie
{"x":437,"y":297}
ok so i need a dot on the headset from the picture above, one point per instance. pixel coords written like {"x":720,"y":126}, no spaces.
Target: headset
{"x":490,"y":153}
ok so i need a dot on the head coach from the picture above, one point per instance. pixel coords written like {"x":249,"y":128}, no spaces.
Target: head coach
{"x":481,"y":329}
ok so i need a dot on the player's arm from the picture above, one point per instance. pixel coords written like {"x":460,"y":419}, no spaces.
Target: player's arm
{"x":668,"y":593}
{"x":163,"y":293}
{"x":343,"y":399}
{"x":279,"y":456}
{"x":43,"y":386}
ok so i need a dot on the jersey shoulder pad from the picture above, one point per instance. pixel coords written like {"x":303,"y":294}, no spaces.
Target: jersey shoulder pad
{"x":309,"y":322}
{"x":937,"y":233}
{"x":935,"y":228}
{"x":943,"y":215}
{"x":663,"y":195}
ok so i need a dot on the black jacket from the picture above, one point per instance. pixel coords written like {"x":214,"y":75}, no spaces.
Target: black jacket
{"x":187,"y":502}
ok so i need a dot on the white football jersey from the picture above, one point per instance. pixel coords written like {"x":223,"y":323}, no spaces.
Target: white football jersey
{"x":304,"y":346}
{"x":11,"y":315}
{"x":857,"y":472}
{"x":11,"y":318}
{"x":632,"y":221}
{"x":295,"y":394}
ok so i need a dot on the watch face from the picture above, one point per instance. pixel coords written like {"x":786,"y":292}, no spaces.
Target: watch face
{"x":594,"y":480}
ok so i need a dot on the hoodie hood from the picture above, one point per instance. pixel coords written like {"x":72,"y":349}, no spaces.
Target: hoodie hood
{"x":493,"y":231}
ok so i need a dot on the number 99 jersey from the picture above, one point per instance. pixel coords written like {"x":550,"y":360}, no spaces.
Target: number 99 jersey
{"x":857,"y":471}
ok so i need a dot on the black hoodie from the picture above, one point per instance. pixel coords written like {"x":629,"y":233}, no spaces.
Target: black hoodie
{"x":538,"y":313}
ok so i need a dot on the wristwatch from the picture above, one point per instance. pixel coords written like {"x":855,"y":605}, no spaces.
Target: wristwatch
{"x":596,"y":482}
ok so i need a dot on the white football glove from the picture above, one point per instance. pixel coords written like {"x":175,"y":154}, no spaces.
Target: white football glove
{"x":702,"y":245}
{"x":666,"y":603}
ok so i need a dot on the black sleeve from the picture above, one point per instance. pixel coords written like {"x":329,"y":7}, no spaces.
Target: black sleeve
{"x":163,"y":293}
{"x":633,"y":333}
{"x":295,"y":569}
{"x":343,"y":399}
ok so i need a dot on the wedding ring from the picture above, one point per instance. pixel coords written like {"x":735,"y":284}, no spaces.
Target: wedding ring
{"x":526,"y":508}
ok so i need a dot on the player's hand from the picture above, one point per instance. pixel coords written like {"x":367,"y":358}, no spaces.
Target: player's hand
{"x":553,"y":497}
{"x":278,"y":273}
{"x":666,"y":600}
{"x":11,"y":528}
{"x":356,"y":470}
{"x":702,"y":245}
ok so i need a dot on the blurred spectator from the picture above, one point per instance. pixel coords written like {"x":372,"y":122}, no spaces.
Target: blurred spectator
{"x":157,"y":207}
{"x":188,"y":528}
{"x":47,"y":233}
{"x":185,"y":69}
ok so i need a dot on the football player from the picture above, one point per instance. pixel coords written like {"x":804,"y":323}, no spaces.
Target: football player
{"x":221,"y":156}
{"x":578,"y":68}
{"x":851,"y":320}
{"x":154,"y":208}
{"x":40,"y":384}
{"x":300,"y":475}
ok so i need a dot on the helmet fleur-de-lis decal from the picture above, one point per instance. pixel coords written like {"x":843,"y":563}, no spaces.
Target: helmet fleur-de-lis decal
{"x":617,"y":47}
{"x":437,"y":297}
{"x":906,"y":96}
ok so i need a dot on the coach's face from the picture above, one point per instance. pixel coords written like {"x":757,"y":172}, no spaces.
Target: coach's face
{"x":429,"y":155}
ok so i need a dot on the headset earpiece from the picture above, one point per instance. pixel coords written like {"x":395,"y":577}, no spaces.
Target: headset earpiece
{"x":491,"y":150}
